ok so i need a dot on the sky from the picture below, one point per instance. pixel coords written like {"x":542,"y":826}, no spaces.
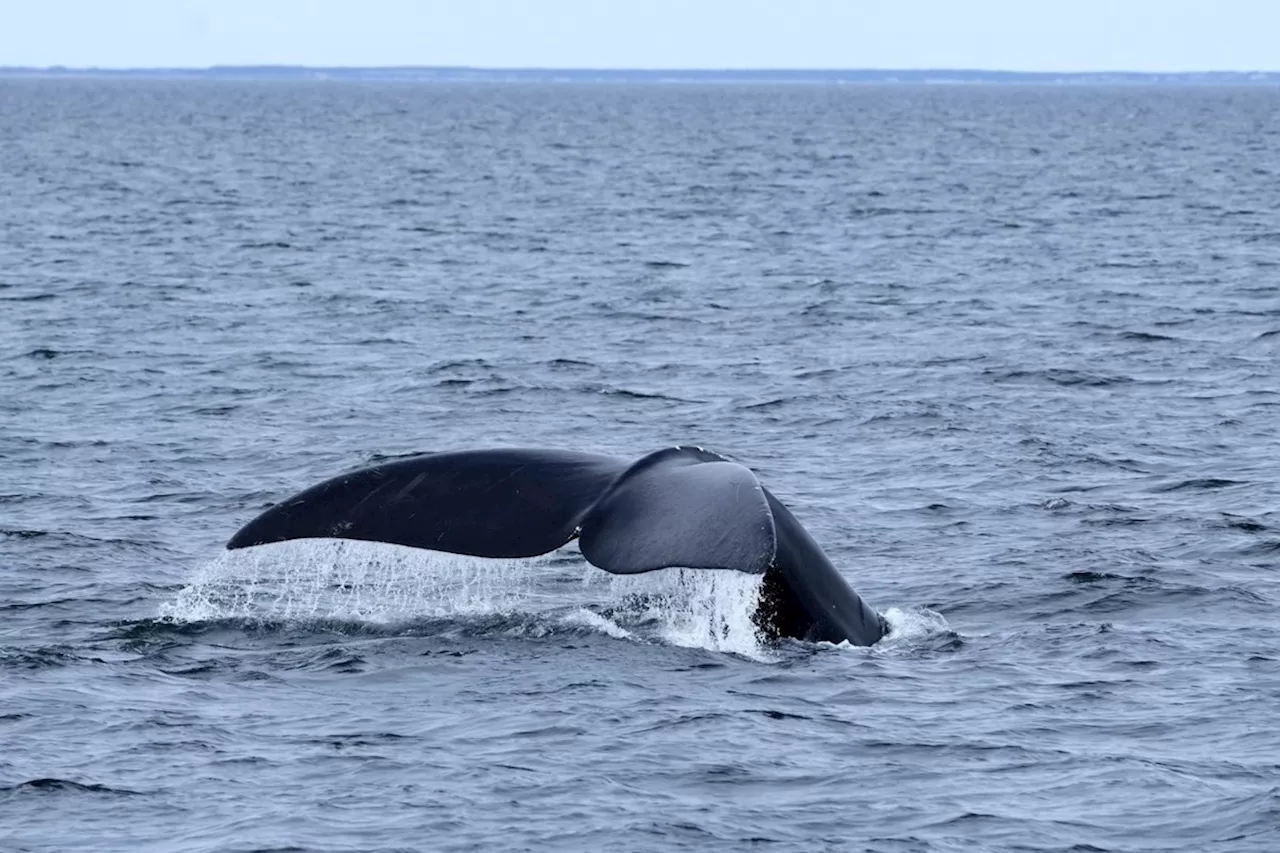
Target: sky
{"x":1019,"y":35}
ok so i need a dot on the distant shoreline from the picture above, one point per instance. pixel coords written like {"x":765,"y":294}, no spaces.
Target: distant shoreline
{"x":428,"y":74}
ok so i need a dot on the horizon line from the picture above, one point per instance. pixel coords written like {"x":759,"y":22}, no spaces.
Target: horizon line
{"x":282,"y":66}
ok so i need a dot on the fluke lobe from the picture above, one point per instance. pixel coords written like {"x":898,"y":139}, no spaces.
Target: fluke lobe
{"x":681,"y":506}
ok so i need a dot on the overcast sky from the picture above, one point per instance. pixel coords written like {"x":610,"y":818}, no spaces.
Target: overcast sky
{"x":1025,"y":35}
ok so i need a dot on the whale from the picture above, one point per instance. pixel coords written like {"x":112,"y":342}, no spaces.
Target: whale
{"x":682,"y":506}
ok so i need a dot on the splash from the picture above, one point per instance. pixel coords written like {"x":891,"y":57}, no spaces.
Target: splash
{"x":914,"y":624}
{"x":323,"y":580}
{"x":908,"y":629}
{"x":357,"y":581}
{"x":692,"y":608}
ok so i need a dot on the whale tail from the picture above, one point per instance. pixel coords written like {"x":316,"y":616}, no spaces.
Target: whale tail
{"x":676,"y":507}
{"x":683,"y":506}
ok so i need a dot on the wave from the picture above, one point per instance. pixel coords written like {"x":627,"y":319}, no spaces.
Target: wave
{"x":62,"y":786}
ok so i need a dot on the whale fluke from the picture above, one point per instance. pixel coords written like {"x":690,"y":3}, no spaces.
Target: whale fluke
{"x":679,"y":507}
{"x":488,"y":503}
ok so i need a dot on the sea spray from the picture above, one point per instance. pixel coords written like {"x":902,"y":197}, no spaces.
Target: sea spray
{"x":358,"y":581}
{"x":695,"y":608}
{"x":308,"y":580}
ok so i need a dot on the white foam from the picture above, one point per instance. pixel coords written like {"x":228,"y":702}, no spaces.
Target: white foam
{"x":905,"y":627}
{"x":596,"y":622}
{"x":913,"y":624}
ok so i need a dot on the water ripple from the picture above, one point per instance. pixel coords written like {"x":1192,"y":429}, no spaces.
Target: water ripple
{"x":1007,"y":352}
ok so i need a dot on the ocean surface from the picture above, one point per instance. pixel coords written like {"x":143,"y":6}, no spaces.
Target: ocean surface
{"x":1010,"y":353}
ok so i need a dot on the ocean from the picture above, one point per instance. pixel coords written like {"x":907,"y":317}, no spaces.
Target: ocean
{"x":1008,"y":352}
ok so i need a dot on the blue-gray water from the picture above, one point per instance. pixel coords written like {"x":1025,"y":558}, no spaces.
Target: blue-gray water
{"x":1009,"y":353}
